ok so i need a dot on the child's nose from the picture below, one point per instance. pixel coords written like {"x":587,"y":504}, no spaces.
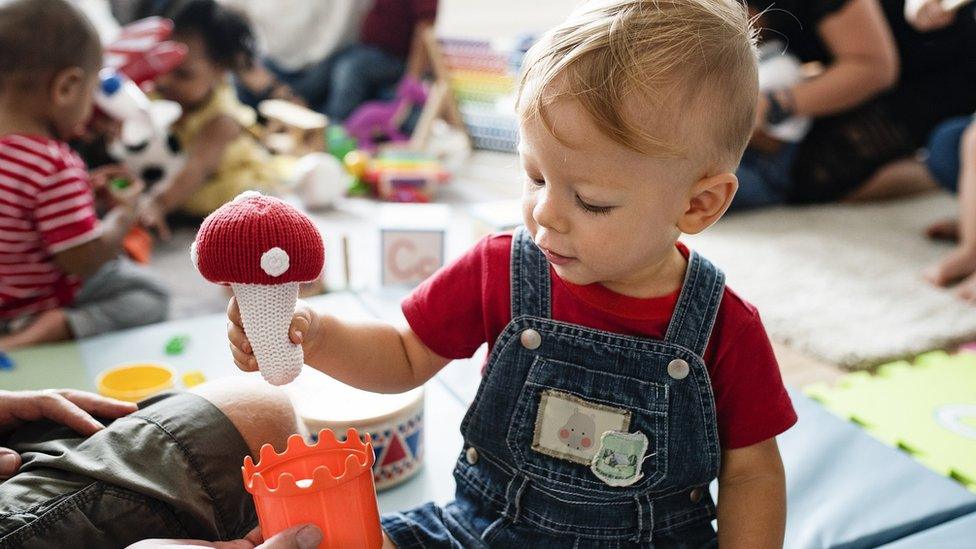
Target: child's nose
{"x":548,"y":213}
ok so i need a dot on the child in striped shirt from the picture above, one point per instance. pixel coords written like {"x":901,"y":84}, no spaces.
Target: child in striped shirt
{"x":60,"y":272}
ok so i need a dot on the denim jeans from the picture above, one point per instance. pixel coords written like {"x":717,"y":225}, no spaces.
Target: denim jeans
{"x":764,"y":178}
{"x":342,"y":81}
{"x":581,"y":437}
{"x":944,"y":156}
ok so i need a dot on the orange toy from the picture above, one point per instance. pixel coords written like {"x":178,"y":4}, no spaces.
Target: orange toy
{"x":329,"y":484}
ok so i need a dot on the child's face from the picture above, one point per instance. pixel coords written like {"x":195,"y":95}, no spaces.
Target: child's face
{"x":600,"y":211}
{"x":191,"y":83}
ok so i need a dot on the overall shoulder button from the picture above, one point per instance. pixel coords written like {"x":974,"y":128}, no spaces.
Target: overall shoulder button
{"x":678,"y":369}
{"x":471,"y":455}
{"x":530,"y":339}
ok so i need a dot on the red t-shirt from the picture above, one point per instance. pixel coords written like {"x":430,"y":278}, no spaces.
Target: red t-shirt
{"x":46,"y":207}
{"x":389,"y":25}
{"x":469,"y":302}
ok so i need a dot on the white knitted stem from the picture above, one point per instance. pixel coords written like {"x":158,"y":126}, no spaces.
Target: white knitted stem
{"x":266,"y":311}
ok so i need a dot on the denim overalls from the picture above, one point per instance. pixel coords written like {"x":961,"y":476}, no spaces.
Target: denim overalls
{"x":584,"y":438}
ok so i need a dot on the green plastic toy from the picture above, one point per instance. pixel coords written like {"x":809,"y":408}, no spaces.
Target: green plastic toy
{"x":927,"y":409}
{"x":119,"y":184}
{"x":177,"y":344}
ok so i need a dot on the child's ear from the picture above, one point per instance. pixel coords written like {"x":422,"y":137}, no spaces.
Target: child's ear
{"x":66,"y":85}
{"x":708,"y":199}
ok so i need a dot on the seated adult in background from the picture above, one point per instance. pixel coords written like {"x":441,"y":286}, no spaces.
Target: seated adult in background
{"x":937,"y":48}
{"x":389,"y":46}
{"x":878,"y":96}
{"x":298,"y":40}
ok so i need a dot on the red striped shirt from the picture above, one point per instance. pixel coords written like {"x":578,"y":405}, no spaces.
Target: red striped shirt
{"x":46,"y":206}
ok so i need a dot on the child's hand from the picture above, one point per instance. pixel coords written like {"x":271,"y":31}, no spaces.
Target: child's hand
{"x":240,"y":347}
{"x":118,"y":183}
{"x":65,"y":406}
{"x":152,"y":215}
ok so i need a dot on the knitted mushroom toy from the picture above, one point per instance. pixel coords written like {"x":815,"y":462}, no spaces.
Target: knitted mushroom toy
{"x":263,"y":248}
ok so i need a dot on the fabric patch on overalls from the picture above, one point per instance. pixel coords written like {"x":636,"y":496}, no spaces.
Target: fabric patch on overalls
{"x":619,"y":459}
{"x":566,"y":426}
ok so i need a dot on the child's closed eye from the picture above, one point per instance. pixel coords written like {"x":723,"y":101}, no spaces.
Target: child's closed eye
{"x":599,"y":210}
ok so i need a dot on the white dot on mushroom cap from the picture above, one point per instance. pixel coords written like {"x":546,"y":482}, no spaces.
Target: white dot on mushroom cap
{"x":246,"y":195}
{"x":275,"y":261}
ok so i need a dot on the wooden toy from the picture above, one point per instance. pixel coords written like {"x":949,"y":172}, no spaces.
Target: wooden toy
{"x":401,"y":175}
{"x":412,"y":241}
{"x":395,"y":422}
{"x":291,"y":128}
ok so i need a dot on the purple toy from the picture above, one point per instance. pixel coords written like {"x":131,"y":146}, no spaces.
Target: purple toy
{"x":375,"y":120}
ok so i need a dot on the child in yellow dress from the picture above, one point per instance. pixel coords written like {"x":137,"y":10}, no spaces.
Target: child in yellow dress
{"x":224,"y":157}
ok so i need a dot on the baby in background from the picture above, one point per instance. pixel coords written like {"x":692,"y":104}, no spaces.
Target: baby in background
{"x":623,"y":375}
{"x":224,"y":158}
{"x":60,"y":275}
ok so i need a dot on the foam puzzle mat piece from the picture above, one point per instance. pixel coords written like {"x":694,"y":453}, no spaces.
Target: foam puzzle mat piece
{"x":847,"y":489}
{"x":927,"y":409}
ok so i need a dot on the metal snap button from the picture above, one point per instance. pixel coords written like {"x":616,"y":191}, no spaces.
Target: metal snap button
{"x":471,"y":455}
{"x":678,"y":369}
{"x":696,"y":495}
{"x":530,"y":339}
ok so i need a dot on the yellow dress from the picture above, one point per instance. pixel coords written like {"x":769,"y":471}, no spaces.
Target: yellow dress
{"x":245,"y":164}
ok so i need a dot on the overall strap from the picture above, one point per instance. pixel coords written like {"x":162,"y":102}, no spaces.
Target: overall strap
{"x":694,"y":315}
{"x":530,"y":277}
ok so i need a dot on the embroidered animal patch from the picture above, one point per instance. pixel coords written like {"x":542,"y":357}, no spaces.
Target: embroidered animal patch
{"x":567,"y":427}
{"x":619,"y":458}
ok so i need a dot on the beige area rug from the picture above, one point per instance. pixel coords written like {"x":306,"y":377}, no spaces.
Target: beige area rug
{"x":842,"y":283}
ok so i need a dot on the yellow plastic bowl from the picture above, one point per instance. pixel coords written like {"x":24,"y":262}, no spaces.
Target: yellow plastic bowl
{"x":134,"y":382}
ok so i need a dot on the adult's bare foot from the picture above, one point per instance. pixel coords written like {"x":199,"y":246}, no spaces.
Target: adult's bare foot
{"x":947,"y":230}
{"x":959,"y":264}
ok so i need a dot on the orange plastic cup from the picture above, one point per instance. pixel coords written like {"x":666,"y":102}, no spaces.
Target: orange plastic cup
{"x":329,"y":484}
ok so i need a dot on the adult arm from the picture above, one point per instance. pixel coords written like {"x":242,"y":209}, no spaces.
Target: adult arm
{"x":865,"y":61}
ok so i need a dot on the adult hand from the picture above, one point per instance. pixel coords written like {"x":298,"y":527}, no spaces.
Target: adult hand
{"x":65,"y":406}
{"x":305,"y":536}
{"x":928,"y":15}
{"x":240,"y":346}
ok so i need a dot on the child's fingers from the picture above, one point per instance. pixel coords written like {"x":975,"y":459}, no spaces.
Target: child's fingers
{"x":55,"y":407}
{"x":98,"y":405}
{"x":9,"y":463}
{"x":234,"y":311}
{"x":238,"y":338}
{"x":298,"y":329}
{"x":244,"y":361}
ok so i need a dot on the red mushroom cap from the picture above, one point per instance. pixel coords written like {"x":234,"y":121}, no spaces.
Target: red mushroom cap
{"x":257,"y":239}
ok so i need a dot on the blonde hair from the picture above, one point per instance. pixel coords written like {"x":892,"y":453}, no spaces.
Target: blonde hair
{"x":692,"y":63}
